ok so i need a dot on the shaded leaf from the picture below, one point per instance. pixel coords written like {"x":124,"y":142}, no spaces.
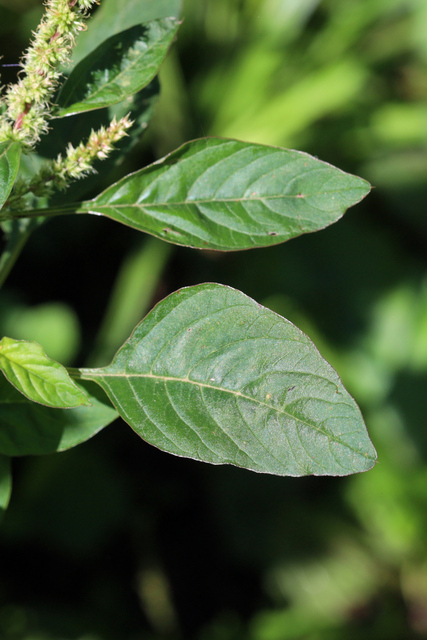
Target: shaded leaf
{"x":121,"y":66}
{"x":29,"y":428}
{"x":228,"y":195}
{"x":210,"y":374}
{"x":114,"y":16}
{"x":5,"y":483}
{"x":10,"y":154}
{"x":39,"y":378}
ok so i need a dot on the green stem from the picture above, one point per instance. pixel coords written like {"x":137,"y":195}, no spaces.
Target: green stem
{"x":17,"y":233}
{"x":49,"y":212}
{"x":74,"y":372}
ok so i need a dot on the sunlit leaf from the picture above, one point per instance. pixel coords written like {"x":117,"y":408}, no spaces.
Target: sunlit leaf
{"x":39,"y":378}
{"x":30,"y":428}
{"x":10,"y":153}
{"x":224,"y":194}
{"x":121,"y":66}
{"x":210,"y":374}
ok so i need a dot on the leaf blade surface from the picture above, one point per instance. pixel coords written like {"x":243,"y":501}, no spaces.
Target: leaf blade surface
{"x":120,"y":67}
{"x":10,"y":154}
{"x":114,"y":16}
{"x":228,"y":195}
{"x":211,"y":375}
{"x":40,"y":379}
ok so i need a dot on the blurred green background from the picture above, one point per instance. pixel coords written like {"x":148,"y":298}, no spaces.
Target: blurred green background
{"x":115,"y":540}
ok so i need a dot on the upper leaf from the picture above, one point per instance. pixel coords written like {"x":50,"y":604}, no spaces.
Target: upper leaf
{"x":114,"y":16}
{"x":10,"y":154}
{"x":121,"y":66}
{"x":30,"y":428}
{"x":212,"y":375}
{"x":228,"y":195}
{"x":39,"y":378}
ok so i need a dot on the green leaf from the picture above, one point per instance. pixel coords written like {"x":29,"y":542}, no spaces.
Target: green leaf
{"x":228,"y":195}
{"x":10,"y":154}
{"x":210,"y":374}
{"x":121,"y":66}
{"x":29,"y":428}
{"x":115,"y":15}
{"x":5,"y":483}
{"x":39,"y":378}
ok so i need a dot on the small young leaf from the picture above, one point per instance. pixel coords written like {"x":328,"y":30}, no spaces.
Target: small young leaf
{"x":39,"y":378}
{"x":210,"y":374}
{"x":121,"y":66}
{"x":28,"y":428}
{"x":228,"y":195}
{"x":10,"y":154}
{"x":5,"y":483}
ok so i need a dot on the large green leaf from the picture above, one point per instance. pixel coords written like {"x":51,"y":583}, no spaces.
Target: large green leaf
{"x":210,"y":374}
{"x":117,"y":15}
{"x":30,"y":428}
{"x":10,"y":154}
{"x":5,"y":483}
{"x":39,"y":378}
{"x":121,"y":66}
{"x":225,"y":194}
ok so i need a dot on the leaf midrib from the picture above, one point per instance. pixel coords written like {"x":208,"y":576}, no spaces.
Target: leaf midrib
{"x":212,"y":200}
{"x":26,"y":369}
{"x":87,"y":374}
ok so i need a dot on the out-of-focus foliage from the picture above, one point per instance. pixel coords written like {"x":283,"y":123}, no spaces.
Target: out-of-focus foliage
{"x":149,"y":547}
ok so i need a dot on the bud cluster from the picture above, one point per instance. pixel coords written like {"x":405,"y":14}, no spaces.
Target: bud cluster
{"x":77,"y":163}
{"x":25,"y":105}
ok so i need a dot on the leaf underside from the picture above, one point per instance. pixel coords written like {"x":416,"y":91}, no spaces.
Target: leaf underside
{"x":227,"y":195}
{"x":210,"y":374}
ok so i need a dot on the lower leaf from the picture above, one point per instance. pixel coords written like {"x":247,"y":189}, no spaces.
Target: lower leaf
{"x":29,"y":428}
{"x":210,"y":374}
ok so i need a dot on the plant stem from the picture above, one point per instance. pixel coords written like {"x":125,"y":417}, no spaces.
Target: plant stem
{"x":74,"y":372}
{"x":49,"y":212}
